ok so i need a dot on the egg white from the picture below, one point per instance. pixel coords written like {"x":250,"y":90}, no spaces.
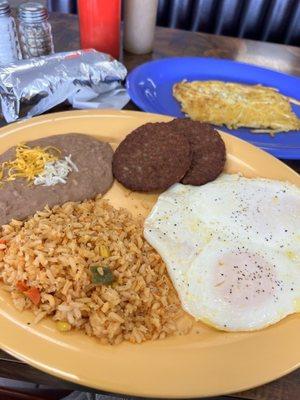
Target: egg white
{"x":231,"y":226}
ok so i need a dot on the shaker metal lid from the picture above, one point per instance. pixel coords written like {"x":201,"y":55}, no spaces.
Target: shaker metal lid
{"x":4,"y":8}
{"x":32,"y":12}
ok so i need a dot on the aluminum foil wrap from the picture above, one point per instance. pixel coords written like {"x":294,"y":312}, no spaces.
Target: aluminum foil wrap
{"x":85,"y":78}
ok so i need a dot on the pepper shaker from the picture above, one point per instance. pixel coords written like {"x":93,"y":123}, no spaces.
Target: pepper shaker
{"x":9,"y":43}
{"x":35,"y":30}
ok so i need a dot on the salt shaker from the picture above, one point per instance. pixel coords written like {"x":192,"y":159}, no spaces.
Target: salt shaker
{"x":9,"y":44}
{"x":34,"y":30}
{"x":139,"y":25}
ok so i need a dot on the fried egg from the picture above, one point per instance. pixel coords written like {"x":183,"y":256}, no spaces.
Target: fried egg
{"x":232,"y":249}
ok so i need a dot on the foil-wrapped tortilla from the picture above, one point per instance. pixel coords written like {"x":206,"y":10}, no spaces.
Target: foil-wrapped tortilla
{"x":86,"y":78}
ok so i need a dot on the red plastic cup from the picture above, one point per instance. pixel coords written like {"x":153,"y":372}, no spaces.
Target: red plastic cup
{"x":99,"y":22}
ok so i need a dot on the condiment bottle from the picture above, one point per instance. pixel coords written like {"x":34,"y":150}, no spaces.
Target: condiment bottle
{"x":35,"y":30}
{"x":139,"y":25}
{"x":99,"y":22}
{"x":9,"y":44}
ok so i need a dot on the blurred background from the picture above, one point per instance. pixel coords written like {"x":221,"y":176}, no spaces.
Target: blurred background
{"x":266,"y":20}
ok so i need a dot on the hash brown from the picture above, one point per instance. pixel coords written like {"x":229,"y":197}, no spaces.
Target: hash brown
{"x":236,"y":105}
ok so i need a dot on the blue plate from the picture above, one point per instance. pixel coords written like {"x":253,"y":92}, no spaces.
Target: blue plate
{"x":150,"y":88}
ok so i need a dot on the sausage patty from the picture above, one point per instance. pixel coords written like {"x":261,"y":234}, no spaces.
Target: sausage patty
{"x":152,"y":157}
{"x":208,"y":151}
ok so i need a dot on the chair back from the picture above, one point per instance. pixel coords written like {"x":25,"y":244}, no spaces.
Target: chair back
{"x":266,"y":20}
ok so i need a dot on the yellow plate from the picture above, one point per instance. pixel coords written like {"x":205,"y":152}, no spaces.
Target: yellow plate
{"x":204,"y":364}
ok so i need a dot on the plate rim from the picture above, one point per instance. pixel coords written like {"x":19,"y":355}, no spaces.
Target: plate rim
{"x":83,"y":381}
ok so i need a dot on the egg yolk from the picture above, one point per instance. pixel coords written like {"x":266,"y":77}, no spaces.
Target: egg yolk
{"x":245,"y":279}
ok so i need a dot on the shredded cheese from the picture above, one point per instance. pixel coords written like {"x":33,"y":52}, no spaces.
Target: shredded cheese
{"x":29,"y":163}
{"x":55,"y":172}
{"x":37,"y":164}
